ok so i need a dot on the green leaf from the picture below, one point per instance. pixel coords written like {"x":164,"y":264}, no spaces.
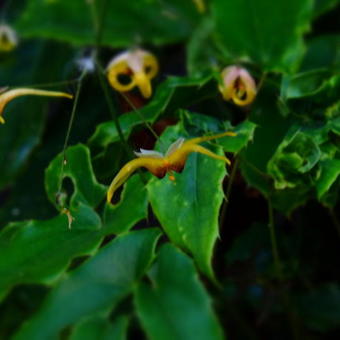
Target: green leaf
{"x":303,"y":84}
{"x":188,"y":208}
{"x":199,"y":123}
{"x":170,"y":95}
{"x":175,"y":305}
{"x":330,"y":171}
{"x":244,"y":134}
{"x":79,"y":169}
{"x":334,"y":125}
{"x":271,"y":129}
{"x":296,"y":155}
{"x":30,"y":252}
{"x":322,"y":101}
{"x":268,"y":156}
{"x":23,"y":245}
{"x":255,"y":177}
{"x":201,"y":60}
{"x":288,"y":199}
{"x":124,"y":22}
{"x":132,"y":207}
{"x":97,"y":285}
{"x":99,"y":328}
{"x":266,"y":32}
{"x":322,"y":52}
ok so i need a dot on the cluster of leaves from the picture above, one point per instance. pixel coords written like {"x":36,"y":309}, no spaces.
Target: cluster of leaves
{"x":100,"y":280}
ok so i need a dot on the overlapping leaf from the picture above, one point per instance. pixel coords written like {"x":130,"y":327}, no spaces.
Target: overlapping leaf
{"x":175,"y":304}
{"x":98,"y":285}
{"x":100,"y":328}
{"x":199,"y":123}
{"x":170,"y":95}
{"x":30,"y":252}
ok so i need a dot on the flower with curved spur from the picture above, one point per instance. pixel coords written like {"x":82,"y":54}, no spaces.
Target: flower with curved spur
{"x":237,"y":85}
{"x":159,"y":164}
{"x":8,"y":38}
{"x":7,"y":96}
{"x":133,"y":68}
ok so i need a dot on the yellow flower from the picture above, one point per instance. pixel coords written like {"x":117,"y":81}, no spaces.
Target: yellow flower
{"x":200,"y":5}
{"x":159,"y":164}
{"x":237,"y":85}
{"x":7,"y":96}
{"x":133,"y":68}
{"x":8,"y":38}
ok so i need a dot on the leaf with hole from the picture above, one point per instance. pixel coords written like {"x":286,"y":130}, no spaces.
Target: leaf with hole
{"x":97,"y":285}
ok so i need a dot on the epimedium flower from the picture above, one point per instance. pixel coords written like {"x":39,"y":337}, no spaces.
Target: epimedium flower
{"x":133,"y":68}
{"x":7,"y":95}
{"x":8,"y":38}
{"x":200,"y":5}
{"x":237,"y":85}
{"x":159,"y":164}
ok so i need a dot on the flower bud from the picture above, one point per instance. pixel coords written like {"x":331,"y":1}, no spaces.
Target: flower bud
{"x":237,"y":85}
{"x":133,"y":68}
{"x":8,"y":38}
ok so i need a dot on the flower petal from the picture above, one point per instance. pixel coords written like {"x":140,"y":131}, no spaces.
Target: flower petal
{"x":149,"y":153}
{"x":7,"y":96}
{"x":154,"y":165}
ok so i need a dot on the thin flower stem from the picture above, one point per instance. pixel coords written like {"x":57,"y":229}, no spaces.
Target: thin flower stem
{"x":98,"y":30}
{"x":126,"y":98}
{"x":69,"y":128}
{"x":58,"y":83}
{"x":110,"y":105}
{"x":98,"y":21}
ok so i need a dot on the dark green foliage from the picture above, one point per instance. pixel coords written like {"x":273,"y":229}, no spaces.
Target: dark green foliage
{"x":248,"y":250}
